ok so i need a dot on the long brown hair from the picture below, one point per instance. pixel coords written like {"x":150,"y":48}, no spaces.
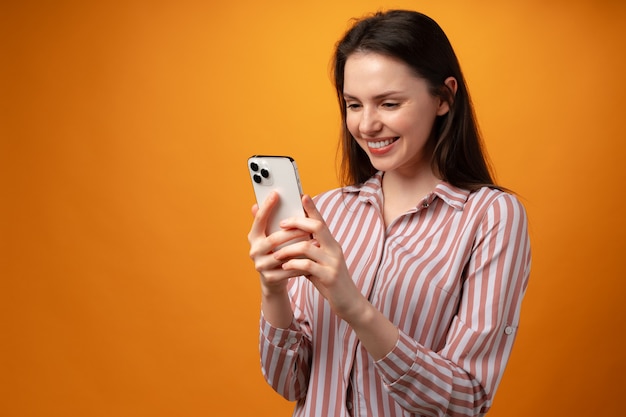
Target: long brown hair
{"x":418,"y":41}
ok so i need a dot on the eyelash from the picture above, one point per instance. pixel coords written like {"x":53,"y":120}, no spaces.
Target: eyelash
{"x":388,"y":105}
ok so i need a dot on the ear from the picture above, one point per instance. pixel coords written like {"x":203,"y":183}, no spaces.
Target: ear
{"x":451,"y":87}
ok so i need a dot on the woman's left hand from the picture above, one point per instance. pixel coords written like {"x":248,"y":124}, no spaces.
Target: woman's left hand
{"x":322,"y":261}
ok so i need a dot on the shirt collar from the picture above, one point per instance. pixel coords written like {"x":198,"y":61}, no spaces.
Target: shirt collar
{"x":371,"y":191}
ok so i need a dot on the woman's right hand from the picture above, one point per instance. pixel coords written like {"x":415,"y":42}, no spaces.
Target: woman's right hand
{"x":275,"y":302}
{"x":273,"y":278}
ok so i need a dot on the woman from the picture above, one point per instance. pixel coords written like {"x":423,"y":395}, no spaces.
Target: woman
{"x":406,"y":300}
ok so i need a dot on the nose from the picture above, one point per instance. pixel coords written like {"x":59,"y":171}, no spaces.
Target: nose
{"x":370,"y":123}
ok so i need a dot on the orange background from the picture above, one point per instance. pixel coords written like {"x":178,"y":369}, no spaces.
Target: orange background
{"x":125,"y":284}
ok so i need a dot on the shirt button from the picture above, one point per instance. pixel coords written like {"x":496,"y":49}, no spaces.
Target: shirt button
{"x":293,"y":340}
{"x":425,"y":204}
{"x":508,"y":330}
{"x":349,"y":405}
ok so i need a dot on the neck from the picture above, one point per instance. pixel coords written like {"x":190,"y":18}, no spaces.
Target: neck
{"x":404,"y":192}
{"x":408,"y":188}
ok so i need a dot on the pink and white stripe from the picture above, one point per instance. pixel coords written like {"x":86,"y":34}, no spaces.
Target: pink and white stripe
{"x":451,"y":274}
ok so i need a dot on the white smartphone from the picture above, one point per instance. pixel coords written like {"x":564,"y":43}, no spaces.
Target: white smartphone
{"x":277,"y":173}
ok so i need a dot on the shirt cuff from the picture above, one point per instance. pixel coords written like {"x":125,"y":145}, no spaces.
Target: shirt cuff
{"x":288,"y":338}
{"x":400,"y":360}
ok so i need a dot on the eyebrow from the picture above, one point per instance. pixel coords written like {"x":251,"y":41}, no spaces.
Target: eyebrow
{"x":385,"y":94}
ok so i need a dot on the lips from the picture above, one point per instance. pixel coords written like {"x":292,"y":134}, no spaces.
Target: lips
{"x":378,"y":144}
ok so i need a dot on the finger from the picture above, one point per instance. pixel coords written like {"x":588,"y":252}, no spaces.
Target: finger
{"x":301,"y":249}
{"x":255,"y":209}
{"x":262,"y":213}
{"x":310,"y":208}
{"x":318,"y":227}
{"x":262,"y":245}
{"x":265,"y":263}
{"x":272,"y":270}
{"x":302,"y":266}
{"x":308,"y":223}
{"x":284,"y":273}
{"x":286,"y":237}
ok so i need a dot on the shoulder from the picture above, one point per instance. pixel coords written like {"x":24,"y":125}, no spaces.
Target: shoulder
{"x":486,"y":196}
{"x":477,"y":201}
{"x":493,"y":206}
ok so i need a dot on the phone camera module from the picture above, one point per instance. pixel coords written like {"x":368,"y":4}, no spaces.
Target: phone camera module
{"x":261,"y":172}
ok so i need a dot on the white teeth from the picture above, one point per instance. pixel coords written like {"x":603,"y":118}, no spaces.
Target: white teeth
{"x":381,"y":144}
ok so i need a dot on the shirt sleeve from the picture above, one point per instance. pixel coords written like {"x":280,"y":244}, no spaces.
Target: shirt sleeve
{"x":462,"y":378}
{"x":285,"y":353}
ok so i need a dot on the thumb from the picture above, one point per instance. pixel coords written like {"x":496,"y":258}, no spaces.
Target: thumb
{"x":309,"y":207}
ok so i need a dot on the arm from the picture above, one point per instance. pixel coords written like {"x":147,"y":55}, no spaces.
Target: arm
{"x":283,"y":348}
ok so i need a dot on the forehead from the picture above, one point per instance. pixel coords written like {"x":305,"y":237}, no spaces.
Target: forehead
{"x":368,"y":71}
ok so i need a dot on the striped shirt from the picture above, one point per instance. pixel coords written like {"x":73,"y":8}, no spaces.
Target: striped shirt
{"x":450,"y":274}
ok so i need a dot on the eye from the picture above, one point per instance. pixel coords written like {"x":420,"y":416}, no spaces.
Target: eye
{"x":353,"y":106}
{"x":390,"y":105}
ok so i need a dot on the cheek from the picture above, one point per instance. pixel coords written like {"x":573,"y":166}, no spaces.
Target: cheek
{"x":419,"y":123}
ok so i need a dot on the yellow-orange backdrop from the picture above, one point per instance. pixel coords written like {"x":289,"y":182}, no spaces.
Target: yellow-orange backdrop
{"x":125,"y":286}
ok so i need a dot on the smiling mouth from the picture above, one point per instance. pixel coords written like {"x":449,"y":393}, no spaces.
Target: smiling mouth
{"x":381,"y":143}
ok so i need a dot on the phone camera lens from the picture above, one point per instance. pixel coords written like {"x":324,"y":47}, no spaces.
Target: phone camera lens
{"x":257,"y":178}
{"x":254,"y":166}
{"x":265,"y":173}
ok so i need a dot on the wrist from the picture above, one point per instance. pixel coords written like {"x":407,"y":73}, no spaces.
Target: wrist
{"x":272,"y":288}
{"x":376,"y":332}
{"x":362,"y":315}
{"x":274,"y":291}
{"x":276,"y":306}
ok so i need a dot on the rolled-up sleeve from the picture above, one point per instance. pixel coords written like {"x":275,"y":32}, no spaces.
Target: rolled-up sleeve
{"x":286,"y":353}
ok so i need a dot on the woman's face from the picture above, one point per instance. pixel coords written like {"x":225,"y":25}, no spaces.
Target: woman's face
{"x":390,"y":112}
